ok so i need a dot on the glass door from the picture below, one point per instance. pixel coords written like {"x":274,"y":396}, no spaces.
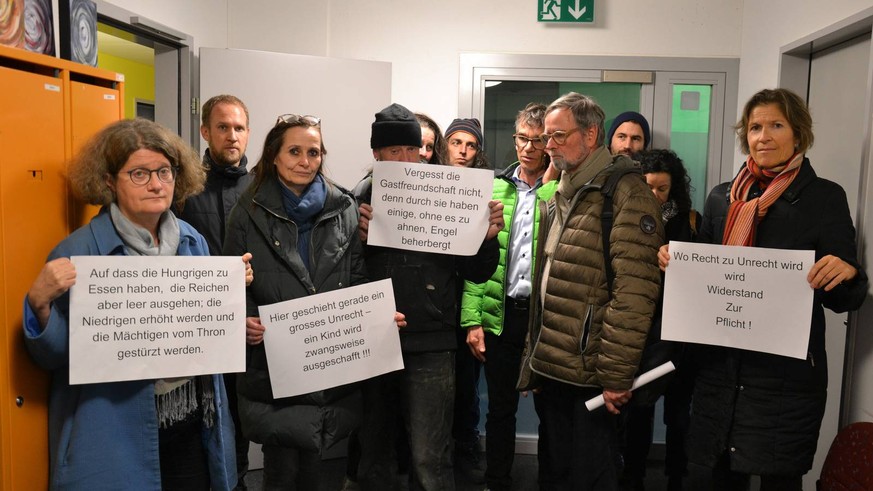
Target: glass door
{"x":505,"y":98}
{"x":687,"y":121}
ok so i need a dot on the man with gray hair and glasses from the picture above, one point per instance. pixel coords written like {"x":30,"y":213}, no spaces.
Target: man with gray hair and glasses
{"x":590,"y":315}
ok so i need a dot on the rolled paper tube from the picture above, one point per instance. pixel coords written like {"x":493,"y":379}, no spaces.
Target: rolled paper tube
{"x":657,"y":372}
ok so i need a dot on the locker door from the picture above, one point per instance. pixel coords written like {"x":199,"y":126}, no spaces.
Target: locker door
{"x":32,"y":221}
{"x":92,"y":108}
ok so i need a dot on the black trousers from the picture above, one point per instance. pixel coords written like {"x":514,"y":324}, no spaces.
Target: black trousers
{"x":241,"y":443}
{"x":640,"y":421}
{"x":465,"y":428}
{"x":502,"y":360}
{"x":184,"y":465}
{"x":577,"y":447}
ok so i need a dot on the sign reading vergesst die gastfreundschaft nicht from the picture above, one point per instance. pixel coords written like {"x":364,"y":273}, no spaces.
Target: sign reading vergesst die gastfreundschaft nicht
{"x":430,"y":208}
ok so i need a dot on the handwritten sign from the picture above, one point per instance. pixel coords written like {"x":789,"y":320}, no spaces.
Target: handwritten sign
{"x":429,"y":208}
{"x":146,"y":317}
{"x":742,"y":297}
{"x":331,"y":339}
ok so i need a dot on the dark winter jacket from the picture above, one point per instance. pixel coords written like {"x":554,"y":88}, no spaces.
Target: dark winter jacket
{"x":208,"y":211}
{"x":765,"y":410}
{"x":426,"y":286}
{"x":260,"y":225}
{"x":678,"y":228}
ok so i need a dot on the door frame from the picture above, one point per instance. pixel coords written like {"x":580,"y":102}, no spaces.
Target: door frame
{"x":795,"y":61}
{"x":478,"y":68}
{"x":175,"y":104}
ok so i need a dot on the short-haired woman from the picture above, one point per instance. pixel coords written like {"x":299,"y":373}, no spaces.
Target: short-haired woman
{"x":756,"y":413}
{"x":140,"y":434}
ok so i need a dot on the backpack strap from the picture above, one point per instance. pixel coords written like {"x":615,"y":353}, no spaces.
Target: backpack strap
{"x":607,"y":215}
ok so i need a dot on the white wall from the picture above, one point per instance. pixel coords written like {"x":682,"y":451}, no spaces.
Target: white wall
{"x":768,"y":25}
{"x":424,"y":45}
{"x":423,"y":42}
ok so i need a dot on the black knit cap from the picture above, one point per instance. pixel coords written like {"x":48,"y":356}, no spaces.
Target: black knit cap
{"x":471,"y":126}
{"x":395,"y":125}
{"x":624,"y":118}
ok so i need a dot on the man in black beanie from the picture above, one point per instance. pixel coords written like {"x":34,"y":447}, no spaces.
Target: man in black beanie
{"x":628,"y":134}
{"x":425,"y":289}
{"x":395,"y":135}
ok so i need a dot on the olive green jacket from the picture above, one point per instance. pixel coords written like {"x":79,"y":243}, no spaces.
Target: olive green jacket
{"x":580,"y":334}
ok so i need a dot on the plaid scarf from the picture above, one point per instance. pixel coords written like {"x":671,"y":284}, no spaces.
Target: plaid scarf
{"x":744,"y":214}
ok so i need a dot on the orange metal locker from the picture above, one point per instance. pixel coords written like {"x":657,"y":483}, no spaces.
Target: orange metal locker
{"x":92,"y":107}
{"x":44,"y":103}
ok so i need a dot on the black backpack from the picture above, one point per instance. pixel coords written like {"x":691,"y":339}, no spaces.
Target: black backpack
{"x":657,"y":351}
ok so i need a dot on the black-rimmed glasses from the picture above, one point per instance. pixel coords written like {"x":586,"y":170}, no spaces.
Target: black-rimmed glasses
{"x":297,"y":118}
{"x":521,"y":141}
{"x":141,"y":176}
{"x":559,"y":136}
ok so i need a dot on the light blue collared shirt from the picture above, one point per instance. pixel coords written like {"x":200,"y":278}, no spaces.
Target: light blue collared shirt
{"x":520,"y":250}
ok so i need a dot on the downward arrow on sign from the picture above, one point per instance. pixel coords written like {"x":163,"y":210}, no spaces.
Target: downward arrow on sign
{"x":577,"y":12}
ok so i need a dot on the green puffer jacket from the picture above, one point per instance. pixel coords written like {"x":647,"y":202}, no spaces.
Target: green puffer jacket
{"x":578,"y":334}
{"x":482,"y":303}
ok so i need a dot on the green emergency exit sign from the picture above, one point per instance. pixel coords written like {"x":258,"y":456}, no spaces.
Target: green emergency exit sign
{"x":581,"y":11}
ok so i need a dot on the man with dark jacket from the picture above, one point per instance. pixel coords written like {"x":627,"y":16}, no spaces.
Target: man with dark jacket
{"x":425,"y":290}
{"x":586,"y":338}
{"x":225,"y":127}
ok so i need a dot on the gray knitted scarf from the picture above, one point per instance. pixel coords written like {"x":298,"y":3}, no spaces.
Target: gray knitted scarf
{"x":175,"y":398}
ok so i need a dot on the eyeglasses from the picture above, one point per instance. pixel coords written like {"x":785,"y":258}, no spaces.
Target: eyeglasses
{"x":559,"y":136}
{"x":521,"y":141}
{"x":141,"y":177}
{"x":294,"y":119}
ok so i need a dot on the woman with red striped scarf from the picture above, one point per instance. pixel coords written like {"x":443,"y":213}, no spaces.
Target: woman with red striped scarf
{"x":756,"y":413}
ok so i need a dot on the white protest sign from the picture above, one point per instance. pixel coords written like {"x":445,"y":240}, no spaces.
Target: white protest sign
{"x":430,"y":208}
{"x":741,"y":297}
{"x":147,"y":317}
{"x":330,"y":339}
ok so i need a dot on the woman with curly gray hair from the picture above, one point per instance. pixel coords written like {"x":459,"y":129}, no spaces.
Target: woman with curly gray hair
{"x":144,"y":434}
